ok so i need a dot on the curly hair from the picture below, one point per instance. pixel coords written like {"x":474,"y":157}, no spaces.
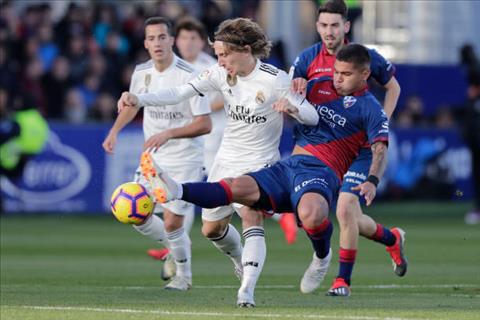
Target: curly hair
{"x":240,"y":33}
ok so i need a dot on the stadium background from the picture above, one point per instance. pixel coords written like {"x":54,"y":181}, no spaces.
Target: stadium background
{"x":72,"y":59}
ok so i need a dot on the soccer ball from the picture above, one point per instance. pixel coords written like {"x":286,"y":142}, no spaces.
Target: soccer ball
{"x":131,"y":203}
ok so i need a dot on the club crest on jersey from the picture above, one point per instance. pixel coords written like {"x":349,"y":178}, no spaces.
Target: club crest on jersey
{"x":147,"y":80}
{"x":204,"y":75}
{"x":260,"y":98}
{"x":349,"y":101}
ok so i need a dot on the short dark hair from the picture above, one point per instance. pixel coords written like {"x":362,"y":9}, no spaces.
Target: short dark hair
{"x":356,"y":54}
{"x":191,"y":24}
{"x":334,"y":6}
{"x":159,"y":20}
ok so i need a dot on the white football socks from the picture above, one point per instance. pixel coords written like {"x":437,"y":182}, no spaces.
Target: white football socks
{"x":253,"y":258}
{"x":180,"y":249}
{"x":189,"y":219}
{"x":230,"y":244}
{"x":154,"y":229}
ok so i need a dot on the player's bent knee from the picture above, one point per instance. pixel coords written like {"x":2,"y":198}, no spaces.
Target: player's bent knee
{"x":312,"y":210}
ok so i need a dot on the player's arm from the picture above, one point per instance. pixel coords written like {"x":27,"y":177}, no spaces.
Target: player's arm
{"x":123,"y":118}
{"x":292,"y":103}
{"x":206,"y":81}
{"x":368,"y":189}
{"x":216,"y":105}
{"x":170,"y":96}
{"x":392,"y":93}
{"x":298,"y":108}
{"x":199,"y":126}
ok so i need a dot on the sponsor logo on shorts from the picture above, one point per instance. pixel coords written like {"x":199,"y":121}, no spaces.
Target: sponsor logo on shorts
{"x":305,"y":183}
{"x":354,"y":174}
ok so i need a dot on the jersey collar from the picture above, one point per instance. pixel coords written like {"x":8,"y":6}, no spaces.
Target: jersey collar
{"x":254,"y":71}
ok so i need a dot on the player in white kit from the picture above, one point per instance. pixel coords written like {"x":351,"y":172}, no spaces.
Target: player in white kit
{"x":190,"y":39}
{"x":252,"y":135}
{"x":172,"y":132}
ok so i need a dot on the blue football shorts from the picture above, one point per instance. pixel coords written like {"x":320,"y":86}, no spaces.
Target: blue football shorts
{"x":288,"y":180}
{"x":358,"y":172}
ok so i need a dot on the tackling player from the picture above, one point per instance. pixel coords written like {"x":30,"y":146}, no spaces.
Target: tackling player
{"x":252,"y":135}
{"x":172,"y":131}
{"x":318,"y":61}
{"x":346,"y":118}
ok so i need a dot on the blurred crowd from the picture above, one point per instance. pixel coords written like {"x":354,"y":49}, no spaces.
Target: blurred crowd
{"x":74,"y":67}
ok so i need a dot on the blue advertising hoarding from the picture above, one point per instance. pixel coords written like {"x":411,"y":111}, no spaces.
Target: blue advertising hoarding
{"x":74,"y":174}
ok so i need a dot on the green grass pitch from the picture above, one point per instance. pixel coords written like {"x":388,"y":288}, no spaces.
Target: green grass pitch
{"x":61,"y":267}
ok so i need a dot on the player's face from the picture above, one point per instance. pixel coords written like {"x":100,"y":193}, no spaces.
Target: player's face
{"x":347,"y":79}
{"x":332,"y":29}
{"x":234,"y":62}
{"x":158,"y":42}
{"x":189,"y":44}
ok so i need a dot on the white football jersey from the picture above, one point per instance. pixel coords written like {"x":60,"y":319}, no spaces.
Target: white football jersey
{"x":205,"y":61}
{"x":253,"y":130}
{"x":146,"y":78}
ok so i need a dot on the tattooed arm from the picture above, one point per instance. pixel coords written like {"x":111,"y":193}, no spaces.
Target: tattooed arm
{"x":368,"y":189}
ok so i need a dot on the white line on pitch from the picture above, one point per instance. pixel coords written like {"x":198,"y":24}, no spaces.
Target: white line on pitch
{"x":210,"y":314}
{"x":291,"y":286}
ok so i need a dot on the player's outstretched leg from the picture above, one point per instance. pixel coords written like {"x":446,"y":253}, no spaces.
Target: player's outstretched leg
{"x":163,"y":188}
{"x":399,"y":260}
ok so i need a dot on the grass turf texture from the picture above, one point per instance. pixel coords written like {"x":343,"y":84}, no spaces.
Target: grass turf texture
{"x":59,"y":267}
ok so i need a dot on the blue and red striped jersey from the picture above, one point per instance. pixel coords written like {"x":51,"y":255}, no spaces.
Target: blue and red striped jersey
{"x":346,"y":124}
{"x":315,"y":62}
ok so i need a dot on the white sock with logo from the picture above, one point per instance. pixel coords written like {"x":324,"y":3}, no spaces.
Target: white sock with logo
{"x":253,"y":258}
{"x":180,"y":249}
{"x":230,"y":244}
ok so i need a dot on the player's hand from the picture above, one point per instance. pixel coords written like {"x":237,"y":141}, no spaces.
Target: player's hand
{"x":299,"y":85}
{"x":156,"y":141}
{"x":283,"y":105}
{"x":367,"y":190}
{"x":127,"y":100}
{"x":109,"y":142}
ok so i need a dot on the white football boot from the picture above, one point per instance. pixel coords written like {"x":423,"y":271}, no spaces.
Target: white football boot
{"x":179,"y":283}
{"x":316,"y":271}
{"x":169,"y":268}
{"x":245,"y":298}
{"x":163,"y":188}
